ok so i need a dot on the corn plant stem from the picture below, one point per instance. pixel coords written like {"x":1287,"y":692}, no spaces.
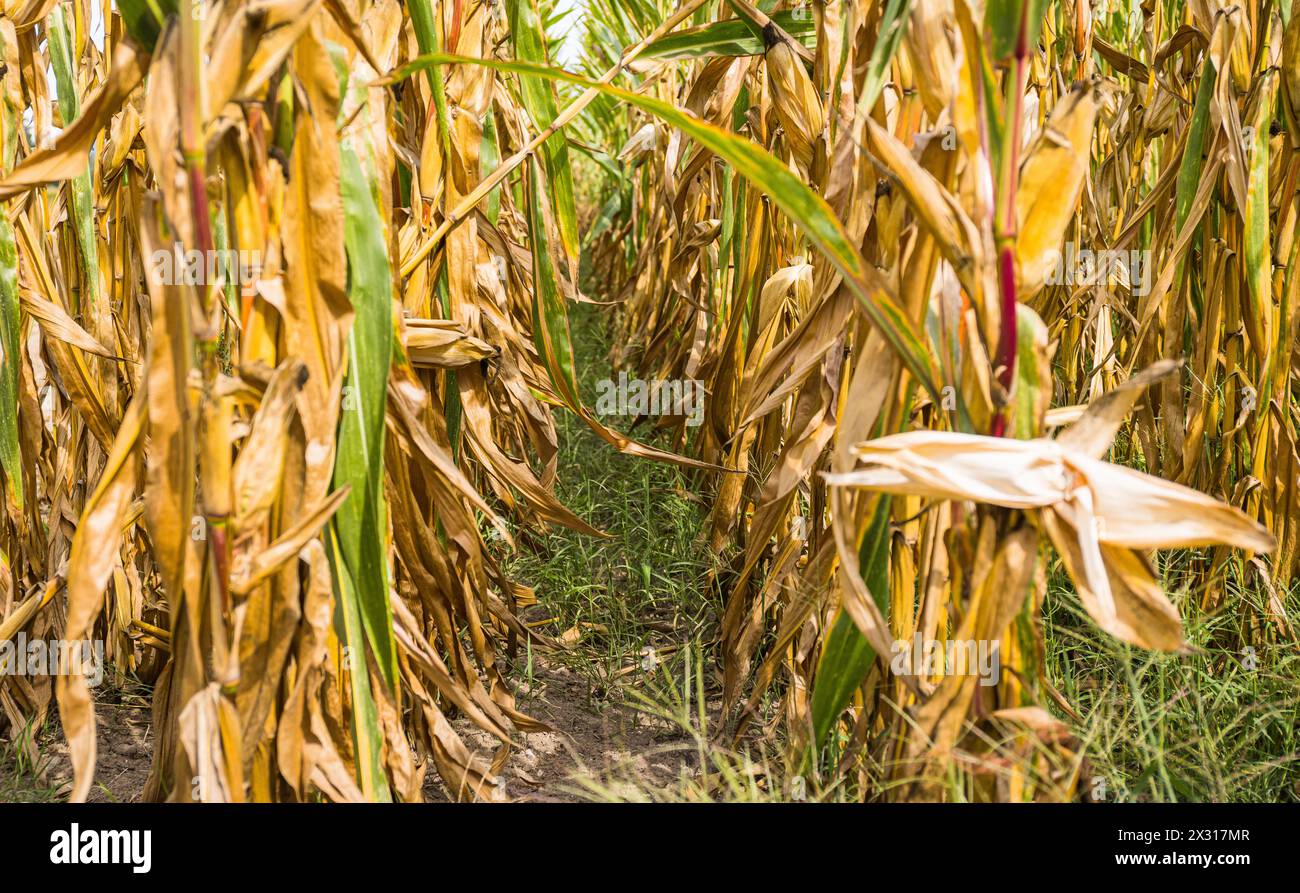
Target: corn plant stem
{"x":1006,"y":357}
{"x":215,"y":499}
{"x":467,"y":205}
{"x":191,"y":127}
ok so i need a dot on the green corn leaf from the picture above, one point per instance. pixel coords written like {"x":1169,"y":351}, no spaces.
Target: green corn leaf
{"x":360,"y":521}
{"x":429,"y":38}
{"x":490,"y":158}
{"x":1003,"y":20}
{"x":529,"y":41}
{"x":1193,"y":161}
{"x":1258,"y":248}
{"x":893,"y":25}
{"x":144,"y":18}
{"x":11,"y":459}
{"x":1030,"y":384}
{"x":731,"y":37}
{"x":550,"y":317}
{"x":83,"y":202}
{"x":10,"y":356}
{"x":1189,"y":170}
{"x":847,"y":656}
{"x":367,"y":736}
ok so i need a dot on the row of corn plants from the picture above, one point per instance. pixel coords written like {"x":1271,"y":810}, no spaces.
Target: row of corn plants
{"x":284,"y":294}
{"x":859,"y":223}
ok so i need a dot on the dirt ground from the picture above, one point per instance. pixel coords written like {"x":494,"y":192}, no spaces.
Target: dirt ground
{"x":614,"y":748}
{"x":124,"y":750}
{"x":599,"y":741}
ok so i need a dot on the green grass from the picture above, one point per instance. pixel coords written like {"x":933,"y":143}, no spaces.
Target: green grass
{"x":644,"y":587}
{"x":24,"y":779}
{"x":1218,"y":724}
{"x":677,"y":696}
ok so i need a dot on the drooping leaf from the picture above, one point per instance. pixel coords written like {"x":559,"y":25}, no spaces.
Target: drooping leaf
{"x":803,"y":206}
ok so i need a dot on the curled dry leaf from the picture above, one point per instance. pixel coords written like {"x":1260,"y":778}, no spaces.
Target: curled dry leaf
{"x":1096,"y":513}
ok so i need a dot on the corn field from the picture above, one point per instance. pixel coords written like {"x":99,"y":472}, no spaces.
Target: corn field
{"x":989,"y":300}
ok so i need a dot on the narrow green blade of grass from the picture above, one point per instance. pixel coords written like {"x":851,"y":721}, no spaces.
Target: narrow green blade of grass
{"x":358,"y":558}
